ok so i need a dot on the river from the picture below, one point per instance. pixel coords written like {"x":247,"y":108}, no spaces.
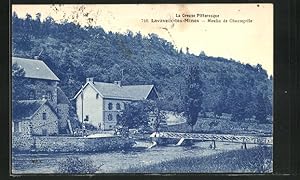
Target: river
{"x":113,"y":162}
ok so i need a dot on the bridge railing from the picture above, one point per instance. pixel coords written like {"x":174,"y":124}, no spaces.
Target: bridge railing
{"x":248,"y":139}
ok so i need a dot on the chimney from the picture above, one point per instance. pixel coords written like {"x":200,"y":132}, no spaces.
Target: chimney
{"x":119,"y":83}
{"x":90,"y":79}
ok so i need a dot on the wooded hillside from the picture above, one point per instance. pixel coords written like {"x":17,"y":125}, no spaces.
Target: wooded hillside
{"x":74,"y":53}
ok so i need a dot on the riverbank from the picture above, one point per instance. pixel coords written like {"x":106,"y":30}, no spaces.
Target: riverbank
{"x":118,"y":161}
{"x":254,"y":160}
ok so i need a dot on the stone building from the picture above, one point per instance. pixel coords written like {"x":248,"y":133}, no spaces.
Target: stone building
{"x":34,"y":117}
{"x":43,"y":84}
{"x":101,"y":104}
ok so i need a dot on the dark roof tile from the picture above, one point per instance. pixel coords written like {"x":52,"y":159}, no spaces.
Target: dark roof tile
{"x":25,"y":109}
{"x":127,"y":92}
{"x":132,"y":92}
{"x":35,"y":68}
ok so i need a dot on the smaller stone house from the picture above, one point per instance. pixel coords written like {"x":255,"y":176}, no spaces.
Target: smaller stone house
{"x":34,"y":117}
{"x":44,"y":84}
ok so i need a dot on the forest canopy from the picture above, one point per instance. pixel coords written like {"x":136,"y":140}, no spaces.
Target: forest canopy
{"x":74,"y":53}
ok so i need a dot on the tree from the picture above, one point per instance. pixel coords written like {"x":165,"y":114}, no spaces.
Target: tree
{"x":261,"y":110}
{"x":180,"y":51}
{"x":74,"y":52}
{"x":221,"y":107}
{"x":268,"y":104}
{"x":250,"y":109}
{"x":135,"y":114}
{"x":187,"y":50}
{"x":224,"y":79}
{"x":193,"y":98}
{"x":238,"y":111}
{"x":19,"y":83}
{"x":202,"y":54}
{"x":159,"y":115}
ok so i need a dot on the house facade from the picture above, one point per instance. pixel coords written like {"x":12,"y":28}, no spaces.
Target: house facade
{"x":101,"y":104}
{"x":34,"y":117}
{"x":42,"y":84}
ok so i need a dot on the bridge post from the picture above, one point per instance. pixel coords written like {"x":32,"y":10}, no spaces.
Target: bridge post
{"x":180,"y":142}
{"x":154,"y":143}
{"x":244,"y":146}
{"x":214,"y":145}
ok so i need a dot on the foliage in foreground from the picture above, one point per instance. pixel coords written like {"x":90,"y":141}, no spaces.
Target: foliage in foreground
{"x":255,"y":160}
{"x":76,"y":165}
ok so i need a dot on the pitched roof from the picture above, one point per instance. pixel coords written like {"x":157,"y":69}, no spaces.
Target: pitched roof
{"x":62,"y":97}
{"x":134,"y":92}
{"x":111,"y":90}
{"x":35,"y":68}
{"x":26,"y":109}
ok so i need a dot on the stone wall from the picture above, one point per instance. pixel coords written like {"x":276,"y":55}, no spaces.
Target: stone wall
{"x":25,"y":127}
{"x":41,"y":87}
{"x":63,"y":113}
{"x":50,"y":124}
{"x":68,"y":144}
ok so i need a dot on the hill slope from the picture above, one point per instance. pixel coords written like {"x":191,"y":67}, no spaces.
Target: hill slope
{"x":75,"y":53}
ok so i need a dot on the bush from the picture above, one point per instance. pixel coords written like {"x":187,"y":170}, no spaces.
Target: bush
{"x":90,"y":127}
{"x":77,"y":165}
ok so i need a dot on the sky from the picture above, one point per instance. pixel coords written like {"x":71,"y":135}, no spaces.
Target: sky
{"x":247,"y":36}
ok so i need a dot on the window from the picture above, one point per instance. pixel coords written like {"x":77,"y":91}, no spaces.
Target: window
{"x":31,"y":128}
{"x":49,"y":95}
{"x":97,"y":96}
{"x":44,"y":116}
{"x":31,"y":94}
{"x":86,"y":118}
{"x":118,"y":106}
{"x":110,"y":106}
{"x":110,"y":117}
{"x":125,"y":105}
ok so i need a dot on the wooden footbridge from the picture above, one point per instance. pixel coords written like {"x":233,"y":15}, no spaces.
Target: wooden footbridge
{"x":243,"y":139}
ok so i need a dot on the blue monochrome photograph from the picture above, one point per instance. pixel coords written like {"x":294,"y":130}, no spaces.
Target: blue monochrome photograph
{"x":141,"y":89}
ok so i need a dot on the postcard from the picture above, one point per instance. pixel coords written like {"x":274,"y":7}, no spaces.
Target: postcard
{"x":141,"y":88}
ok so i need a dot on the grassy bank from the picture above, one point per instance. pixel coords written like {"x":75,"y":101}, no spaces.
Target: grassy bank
{"x":255,"y":160}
